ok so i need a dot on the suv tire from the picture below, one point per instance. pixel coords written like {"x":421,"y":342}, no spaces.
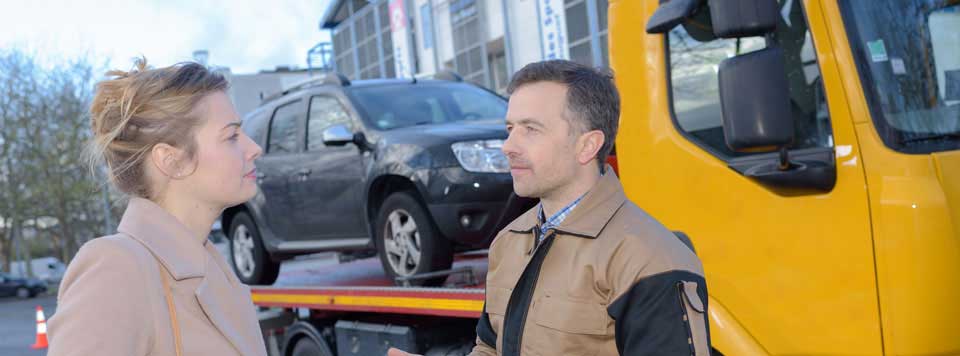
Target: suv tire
{"x":408,"y":242}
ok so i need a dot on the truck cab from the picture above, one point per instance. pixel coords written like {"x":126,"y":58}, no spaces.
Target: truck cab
{"x":811,"y":152}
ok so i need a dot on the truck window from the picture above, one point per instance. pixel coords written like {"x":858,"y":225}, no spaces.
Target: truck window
{"x":283,"y":129}
{"x":325,"y":111}
{"x":694,"y":89}
{"x":908,"y":58}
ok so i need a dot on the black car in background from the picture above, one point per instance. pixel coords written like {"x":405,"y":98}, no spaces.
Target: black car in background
{"x":410,"y":169}
{"x":20,"y":287}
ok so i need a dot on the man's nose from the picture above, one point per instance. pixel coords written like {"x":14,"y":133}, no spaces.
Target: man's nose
{"x":510,"y":146}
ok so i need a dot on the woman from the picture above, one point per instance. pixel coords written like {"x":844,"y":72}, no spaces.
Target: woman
{"x":171,"y":140}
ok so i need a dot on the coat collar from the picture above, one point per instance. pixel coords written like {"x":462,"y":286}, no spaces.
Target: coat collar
{"x":590,"y":216}
{"x":224,"y":300}
{"x":166,"y":237}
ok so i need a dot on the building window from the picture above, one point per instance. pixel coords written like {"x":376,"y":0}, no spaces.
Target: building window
{"x":360,"y":36}
{"x":343,"y":47}
{"x":468,"y":41}
{"x":581,"y":38}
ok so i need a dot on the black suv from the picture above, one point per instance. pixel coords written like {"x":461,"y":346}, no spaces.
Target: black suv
{"x":411,"y":169}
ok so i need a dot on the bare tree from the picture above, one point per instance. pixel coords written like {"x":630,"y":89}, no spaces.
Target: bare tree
{"x":44,"y":124}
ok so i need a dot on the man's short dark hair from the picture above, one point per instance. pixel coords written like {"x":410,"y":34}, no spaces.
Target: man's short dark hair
{"x":592,"y":96}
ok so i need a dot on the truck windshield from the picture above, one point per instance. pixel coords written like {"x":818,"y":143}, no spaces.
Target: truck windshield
{"x":908,"y":57}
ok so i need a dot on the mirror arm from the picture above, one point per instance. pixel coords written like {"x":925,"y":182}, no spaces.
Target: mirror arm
{"x":784,"y":159}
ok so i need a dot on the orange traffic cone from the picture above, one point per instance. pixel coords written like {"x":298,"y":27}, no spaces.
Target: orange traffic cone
{"x":41,"y":342}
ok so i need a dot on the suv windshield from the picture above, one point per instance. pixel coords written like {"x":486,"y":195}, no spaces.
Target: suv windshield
{"x":908,"y":56}
{"x":393,"y":106}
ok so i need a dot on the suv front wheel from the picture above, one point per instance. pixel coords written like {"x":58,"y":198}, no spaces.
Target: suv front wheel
{"x":408,"y":242}
{"x":247,"y":255}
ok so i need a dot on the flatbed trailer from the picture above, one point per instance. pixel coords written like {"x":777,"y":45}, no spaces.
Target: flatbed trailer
{"x":353,"y":308}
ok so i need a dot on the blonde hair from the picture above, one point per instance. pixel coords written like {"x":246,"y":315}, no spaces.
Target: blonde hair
{"x":133,"y":111}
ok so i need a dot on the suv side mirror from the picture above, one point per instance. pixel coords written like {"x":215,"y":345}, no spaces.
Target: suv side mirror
{"x":755,"y":101}
{"x":337,"y":135}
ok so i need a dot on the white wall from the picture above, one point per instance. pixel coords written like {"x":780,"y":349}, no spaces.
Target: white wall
{"x":425,"y":57}
{"x":441,"y":20}
{"x":493,"y":14}
{"x":524,"y":32}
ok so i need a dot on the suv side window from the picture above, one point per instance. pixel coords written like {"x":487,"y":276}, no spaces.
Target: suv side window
{"x":325,"y":111}
{"x":283,"y":129}
{"x":695,"y":95}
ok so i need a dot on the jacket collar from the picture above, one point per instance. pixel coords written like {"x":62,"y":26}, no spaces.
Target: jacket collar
{"x":590,"y":216}
{"x":166,"y":237}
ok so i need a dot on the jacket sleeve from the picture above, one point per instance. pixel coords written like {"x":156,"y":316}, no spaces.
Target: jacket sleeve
{"x":103,"y":305}
{"x":659,"y":303}
{"x":486,"y":337}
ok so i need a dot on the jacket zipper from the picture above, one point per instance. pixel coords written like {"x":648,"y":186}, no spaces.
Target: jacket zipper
{"x":686,"y":318}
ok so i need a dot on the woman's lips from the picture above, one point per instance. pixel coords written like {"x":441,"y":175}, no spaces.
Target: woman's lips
{"x":251,"y":175}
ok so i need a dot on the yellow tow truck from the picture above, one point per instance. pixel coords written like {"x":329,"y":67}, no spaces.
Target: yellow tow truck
{"x":810,"y":150}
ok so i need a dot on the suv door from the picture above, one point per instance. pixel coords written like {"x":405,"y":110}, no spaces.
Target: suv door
{"x":330,"y":183}
{"x":278,"y":165}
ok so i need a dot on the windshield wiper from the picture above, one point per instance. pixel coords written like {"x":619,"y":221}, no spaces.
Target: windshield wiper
{"x":946,"y":136}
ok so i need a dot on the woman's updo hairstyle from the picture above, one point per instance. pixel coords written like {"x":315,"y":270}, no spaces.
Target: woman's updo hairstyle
{"x":135,"y":110}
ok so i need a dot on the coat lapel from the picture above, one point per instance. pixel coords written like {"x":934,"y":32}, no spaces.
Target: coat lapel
{"x":228,"y":305}
{"x":225,"y":301}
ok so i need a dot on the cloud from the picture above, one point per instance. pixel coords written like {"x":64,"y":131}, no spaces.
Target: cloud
{"x":245,"y":35}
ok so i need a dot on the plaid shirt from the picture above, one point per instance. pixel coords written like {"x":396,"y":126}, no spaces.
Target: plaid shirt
{"x":556,"y":219}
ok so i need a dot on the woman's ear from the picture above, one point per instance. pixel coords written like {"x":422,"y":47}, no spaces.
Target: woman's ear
{"x":168,"y":160}
{"x":588,"y":145}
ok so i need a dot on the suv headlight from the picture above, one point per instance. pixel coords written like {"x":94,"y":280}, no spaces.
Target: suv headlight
{"x":481,"y":156}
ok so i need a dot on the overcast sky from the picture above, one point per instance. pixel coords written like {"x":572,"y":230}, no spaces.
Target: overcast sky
{"x":245,"y":35}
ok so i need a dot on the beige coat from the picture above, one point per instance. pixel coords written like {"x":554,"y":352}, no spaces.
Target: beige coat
{"x":111,"y":300}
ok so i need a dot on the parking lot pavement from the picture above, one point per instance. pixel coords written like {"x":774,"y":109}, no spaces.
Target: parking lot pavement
{"x":18,"y":326}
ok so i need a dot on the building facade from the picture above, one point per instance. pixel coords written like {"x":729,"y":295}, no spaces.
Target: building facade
{"x":484,"y":41}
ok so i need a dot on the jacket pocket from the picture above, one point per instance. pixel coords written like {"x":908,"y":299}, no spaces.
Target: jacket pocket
{"x":562,"y":326}
{"x":694,"y":318}
{"x":576,"y":317}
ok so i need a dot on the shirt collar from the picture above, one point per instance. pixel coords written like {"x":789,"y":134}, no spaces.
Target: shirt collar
{"x":595,"y":209}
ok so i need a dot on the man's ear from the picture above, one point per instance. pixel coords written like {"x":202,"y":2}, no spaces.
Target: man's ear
{"x":588,"y":145}
{"x":168,"y":160}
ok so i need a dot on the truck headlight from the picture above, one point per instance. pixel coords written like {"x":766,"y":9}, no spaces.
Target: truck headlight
{"x":481,"y":156}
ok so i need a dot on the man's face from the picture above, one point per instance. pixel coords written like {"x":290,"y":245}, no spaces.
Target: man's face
{"x":541,"y":145}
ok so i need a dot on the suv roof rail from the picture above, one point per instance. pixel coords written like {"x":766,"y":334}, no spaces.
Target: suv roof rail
{"x":328,"y":79}
{"x":448,"y":75}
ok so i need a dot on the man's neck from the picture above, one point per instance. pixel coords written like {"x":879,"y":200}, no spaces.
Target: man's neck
{"x":576,"y":188}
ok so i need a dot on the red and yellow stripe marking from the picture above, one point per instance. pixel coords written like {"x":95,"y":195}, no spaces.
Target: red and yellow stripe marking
{"x":464,"y":303}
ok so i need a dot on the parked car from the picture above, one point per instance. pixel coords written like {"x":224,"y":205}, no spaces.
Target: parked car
{"x":21,"y":287}
{"x":411,"y":169}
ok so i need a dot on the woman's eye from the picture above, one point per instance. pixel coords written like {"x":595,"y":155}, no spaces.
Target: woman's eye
{"x":234,"y":137}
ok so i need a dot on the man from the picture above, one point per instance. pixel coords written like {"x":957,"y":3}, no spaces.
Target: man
{"x":586,"y":272}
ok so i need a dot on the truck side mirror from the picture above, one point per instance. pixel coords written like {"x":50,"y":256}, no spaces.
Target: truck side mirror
{"x":755,"y":101}
{"x":743,"y":18}
{"x":671,"y":14}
